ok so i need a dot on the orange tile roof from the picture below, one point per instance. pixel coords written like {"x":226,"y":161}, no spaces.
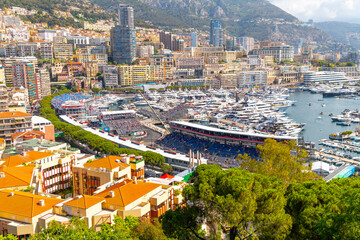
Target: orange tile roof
{"x":108,"y":162}
{"x":27,"y":134}
{"x":74,"y":63}
{"x":16,"y":176}
{"x":128,"y":192}
{"x":25,"y":204}
{"x":84,"y":201}
{"x":35,"y":155}
{"x":14,"y":114}
{"x":14,"y":161}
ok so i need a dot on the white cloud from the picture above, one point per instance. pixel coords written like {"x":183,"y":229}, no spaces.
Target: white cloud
{"x":321,"y":10}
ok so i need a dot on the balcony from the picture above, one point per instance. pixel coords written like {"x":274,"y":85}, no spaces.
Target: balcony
{"x":159,"y":198}
{"x":138,"y":211}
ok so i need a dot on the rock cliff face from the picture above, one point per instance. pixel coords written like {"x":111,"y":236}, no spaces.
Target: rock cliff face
{"x":254,"y":18}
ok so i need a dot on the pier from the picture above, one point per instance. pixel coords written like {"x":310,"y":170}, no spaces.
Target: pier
{"x":340,"y":159}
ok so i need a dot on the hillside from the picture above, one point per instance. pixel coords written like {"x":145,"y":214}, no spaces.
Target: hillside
{"x":60,"y":12}
{"x":348,"y":33}
{"x":256,"y":18}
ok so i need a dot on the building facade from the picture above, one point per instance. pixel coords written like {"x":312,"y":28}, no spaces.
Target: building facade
{"x":13,"y":122}
{"x":216,"y":34}
{"x":280,"y":53}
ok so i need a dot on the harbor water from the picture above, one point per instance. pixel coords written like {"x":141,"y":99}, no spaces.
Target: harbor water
{"x":308,"y":108}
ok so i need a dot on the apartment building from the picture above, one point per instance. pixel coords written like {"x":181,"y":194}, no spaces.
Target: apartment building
{"x":228,"y":81}
{"x":189,"y":63}
{"x":252,"y":78}
{"x":143,"y":51}
{"x":23,"y":76}
{"x":87,"y":178}
{"x":171,"y":41}
{"x":27,"y":49}
{"x":4,"y":97}
{"x":280,"y":53}
{"x":18,"y":100}
{"x":63,"y":51}
{"x":54,"y":169}
{"x":13,"y":122}
{"x":111,"y":76}
{"x":123,"y":44}
{"x":21,"y":212}
{"x":135,"y":75}
{"x":47,"y":34}
{"x":57,"y":68}
{"x":44,"y":77}
{"x":209,"y":52}
{"x":142,"y":199}
{"x":88,"y":208}
{"x":46,"y":50}
{"x":45,"y":126}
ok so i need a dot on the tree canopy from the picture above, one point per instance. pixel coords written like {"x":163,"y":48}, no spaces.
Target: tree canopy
{"x":130,"y":228}
{"x":282,"y":160}
{"x":325,"y":210}
{"x":251,"y":205}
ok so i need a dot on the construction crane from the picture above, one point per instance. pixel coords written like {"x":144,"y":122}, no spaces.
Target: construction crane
{"x":167,"y":131}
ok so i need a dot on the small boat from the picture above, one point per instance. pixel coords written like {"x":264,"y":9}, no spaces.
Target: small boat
{"x":321,"y":113}
{"x":309,"y":104}
{"x":331,"y":114}
{"x":323,"y":105}
{"x":346,"y":123}
{"x":319,"y":117}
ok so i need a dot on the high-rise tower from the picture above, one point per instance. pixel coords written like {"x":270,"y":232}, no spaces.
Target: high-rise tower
{"x":216,"y":33}
{"x":122,"y":37}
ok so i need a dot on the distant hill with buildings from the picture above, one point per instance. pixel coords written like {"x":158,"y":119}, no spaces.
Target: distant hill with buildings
{"x":58,"y":12}
{"x":255,"y":18}
{"x":348,"y":33}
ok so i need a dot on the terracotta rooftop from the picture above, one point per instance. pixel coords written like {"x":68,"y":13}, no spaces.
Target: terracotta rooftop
{"x":84,"y":201}
{"x":14,"y":161}
{"x":109,"y":162}
{"x":14,"y":114}
{"x":28,"y":134}
{"x":25,"y":204}
{"x":127,"y":192}
{"x":35,"y":155}
{"x":16,"y":176}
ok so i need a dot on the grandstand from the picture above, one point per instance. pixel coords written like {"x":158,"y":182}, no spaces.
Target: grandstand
{"x":69,"y":103}
{"x":184,"y":143}
{"x":229,"y":137}
{"x":124,"y":123}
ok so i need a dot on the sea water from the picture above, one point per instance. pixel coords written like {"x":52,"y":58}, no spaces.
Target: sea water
{"x":308,"y":108}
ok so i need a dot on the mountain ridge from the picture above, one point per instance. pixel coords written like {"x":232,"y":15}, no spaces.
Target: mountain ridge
{"x":253,"y":18}
{"x":345,"y":32}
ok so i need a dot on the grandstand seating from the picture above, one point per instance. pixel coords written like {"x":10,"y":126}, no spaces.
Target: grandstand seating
{"x":58,"y":101}
{"x":124,"y":127}
{"x":184,"y":143}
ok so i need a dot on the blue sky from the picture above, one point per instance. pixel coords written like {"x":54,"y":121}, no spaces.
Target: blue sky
{"x":322,"y":10}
